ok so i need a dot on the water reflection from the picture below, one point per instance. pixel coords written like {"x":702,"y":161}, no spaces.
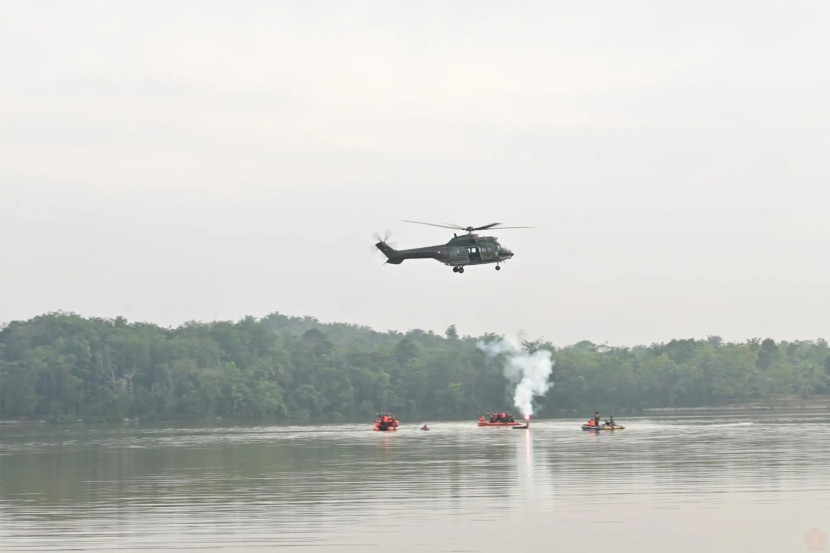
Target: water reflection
{"x":346,"y":488}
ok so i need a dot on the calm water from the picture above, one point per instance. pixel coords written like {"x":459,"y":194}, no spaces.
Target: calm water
{"x":677,"y":484}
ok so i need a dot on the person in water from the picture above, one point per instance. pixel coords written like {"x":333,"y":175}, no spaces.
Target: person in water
{"x":425,"y":427}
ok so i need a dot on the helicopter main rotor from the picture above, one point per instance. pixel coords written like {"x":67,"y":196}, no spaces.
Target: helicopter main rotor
{"x":494,"y":226}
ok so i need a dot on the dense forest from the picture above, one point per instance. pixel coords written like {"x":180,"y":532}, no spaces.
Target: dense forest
{"x":64,"y":367}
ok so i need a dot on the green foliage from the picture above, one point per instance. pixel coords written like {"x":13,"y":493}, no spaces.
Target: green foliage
{"x":64,"y":367}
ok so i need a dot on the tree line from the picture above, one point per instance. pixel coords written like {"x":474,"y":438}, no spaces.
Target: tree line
{"x":64,"y":367}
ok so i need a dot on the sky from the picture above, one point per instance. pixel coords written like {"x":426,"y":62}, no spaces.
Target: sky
{"x":197,"y":161}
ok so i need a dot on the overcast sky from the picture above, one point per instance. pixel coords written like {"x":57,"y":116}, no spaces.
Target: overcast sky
{"x":176,"y":161}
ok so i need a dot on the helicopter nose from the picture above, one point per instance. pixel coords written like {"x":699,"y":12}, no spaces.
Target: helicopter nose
{"x":507,"y":253}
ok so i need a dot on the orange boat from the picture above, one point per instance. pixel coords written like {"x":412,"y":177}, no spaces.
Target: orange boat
{"x":386,"y":422}
{"x":499,"y":419}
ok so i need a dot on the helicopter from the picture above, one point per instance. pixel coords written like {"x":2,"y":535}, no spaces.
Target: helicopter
{"x":460,"y":251}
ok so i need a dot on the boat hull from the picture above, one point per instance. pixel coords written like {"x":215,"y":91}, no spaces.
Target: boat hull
{"x":486,"y":423}
{"x":602,"y":427}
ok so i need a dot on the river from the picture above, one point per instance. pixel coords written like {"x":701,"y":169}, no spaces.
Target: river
{"x":708,"y":482}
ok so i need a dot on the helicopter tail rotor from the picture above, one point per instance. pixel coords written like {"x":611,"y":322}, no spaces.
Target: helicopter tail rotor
{"x":391,"y":253}
{"x":385,"y":238}
{"x":386,"y":247}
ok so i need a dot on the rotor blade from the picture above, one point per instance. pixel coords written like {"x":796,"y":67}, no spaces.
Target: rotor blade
{"x":502,"y":228}
{"x":491,"y":225}
{"x":434,"y":225}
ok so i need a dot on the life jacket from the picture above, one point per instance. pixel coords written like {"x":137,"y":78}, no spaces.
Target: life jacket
{"x":592,"y":422}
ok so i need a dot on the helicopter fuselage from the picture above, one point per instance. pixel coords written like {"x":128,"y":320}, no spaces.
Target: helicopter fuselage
{"x":460,"y":251}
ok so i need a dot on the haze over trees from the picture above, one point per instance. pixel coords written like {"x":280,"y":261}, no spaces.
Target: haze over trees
{"x":64,"y":367}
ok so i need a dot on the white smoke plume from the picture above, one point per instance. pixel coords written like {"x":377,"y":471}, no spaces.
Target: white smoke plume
{"x":529,"y":372}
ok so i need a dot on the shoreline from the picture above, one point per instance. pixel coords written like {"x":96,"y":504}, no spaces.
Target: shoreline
{"x":771,"y":404}
{"x":789,"y":403}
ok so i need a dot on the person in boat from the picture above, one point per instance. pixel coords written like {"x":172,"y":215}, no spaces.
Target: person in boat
{"x":596,"y":418}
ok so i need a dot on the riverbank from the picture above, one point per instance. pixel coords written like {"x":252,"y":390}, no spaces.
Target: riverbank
{"x":779,"y":403}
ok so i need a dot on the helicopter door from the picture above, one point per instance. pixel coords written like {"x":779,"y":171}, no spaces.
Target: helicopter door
{"x":475,"y":253}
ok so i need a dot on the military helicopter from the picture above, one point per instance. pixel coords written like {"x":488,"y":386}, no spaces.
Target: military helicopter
{"x":460,"y":251}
